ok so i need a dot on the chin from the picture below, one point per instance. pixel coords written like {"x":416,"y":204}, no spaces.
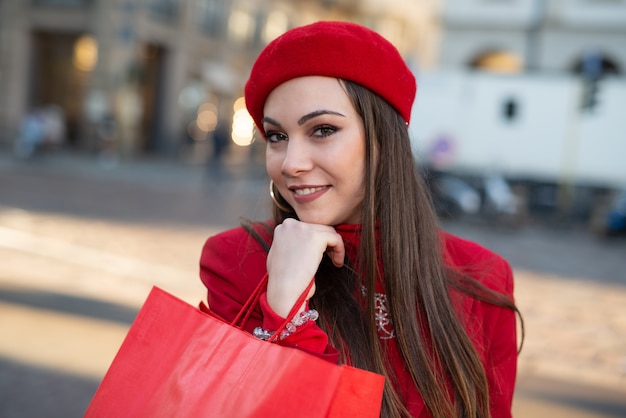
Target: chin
{"x":316,"y":219}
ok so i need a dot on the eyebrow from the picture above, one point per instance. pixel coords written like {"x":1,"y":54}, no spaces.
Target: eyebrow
{"x":317,"y":113}
{"x":306,"y":117}
{"x":270,"y":120}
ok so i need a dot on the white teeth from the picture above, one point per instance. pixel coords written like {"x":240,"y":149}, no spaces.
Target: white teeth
{"x":308,"y":190}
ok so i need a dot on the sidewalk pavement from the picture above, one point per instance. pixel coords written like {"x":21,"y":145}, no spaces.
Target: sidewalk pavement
{"x":81,"y":272}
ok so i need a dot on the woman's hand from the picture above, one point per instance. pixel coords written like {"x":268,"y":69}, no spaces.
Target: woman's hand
{"x":293,"y":259}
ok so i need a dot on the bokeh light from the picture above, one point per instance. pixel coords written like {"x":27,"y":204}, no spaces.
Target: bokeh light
{"x":276,"y":25}
{"x":207,"y":117}
{"x":85,"y":53}
{"x":243,"y":125}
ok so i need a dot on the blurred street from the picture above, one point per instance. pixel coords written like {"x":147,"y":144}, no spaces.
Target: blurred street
{"x":81,"y":245}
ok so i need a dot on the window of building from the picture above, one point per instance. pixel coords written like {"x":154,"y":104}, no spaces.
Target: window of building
{"x":164,"y":10}
{"x":498,"y":62}
{"x":601,"y":2}
{"x":70,"y":3}
{"x":212,"y":17}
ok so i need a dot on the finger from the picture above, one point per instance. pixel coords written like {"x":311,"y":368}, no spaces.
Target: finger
{"x":336,"y":256}
{"x":336,"y":250}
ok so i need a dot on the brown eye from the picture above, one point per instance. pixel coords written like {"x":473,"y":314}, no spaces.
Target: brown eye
{"x":275,"y":137}
{"x":324,"y":131}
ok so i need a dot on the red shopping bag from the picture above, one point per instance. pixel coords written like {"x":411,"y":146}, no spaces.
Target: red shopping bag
{"x":177,"y":361}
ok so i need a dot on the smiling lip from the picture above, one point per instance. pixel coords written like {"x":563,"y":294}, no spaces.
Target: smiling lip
{"x":308,"y":193}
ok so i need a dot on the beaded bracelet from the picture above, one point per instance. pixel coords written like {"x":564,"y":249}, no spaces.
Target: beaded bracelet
{"x":298,"y":320}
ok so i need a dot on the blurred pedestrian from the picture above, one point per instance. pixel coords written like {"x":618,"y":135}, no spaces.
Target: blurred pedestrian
{"x":32,"y":134}
{"x":221,"y":141}
{"x":106,"y":135}
{"x":55,"y":130}
{"x":393,"y":293}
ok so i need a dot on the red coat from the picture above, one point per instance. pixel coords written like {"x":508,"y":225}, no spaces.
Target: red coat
{"x":233,"y":263}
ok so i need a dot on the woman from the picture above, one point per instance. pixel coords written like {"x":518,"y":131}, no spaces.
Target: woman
{"x":394,"y":294}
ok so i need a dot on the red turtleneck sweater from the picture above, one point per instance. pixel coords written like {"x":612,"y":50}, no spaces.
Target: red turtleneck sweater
{"x":232,"y":264}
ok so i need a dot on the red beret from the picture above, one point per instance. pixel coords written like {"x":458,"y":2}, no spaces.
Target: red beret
{"x":333,"y":49}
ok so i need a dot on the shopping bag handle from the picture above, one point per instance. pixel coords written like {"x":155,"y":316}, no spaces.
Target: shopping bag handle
{"x":248,"y":307}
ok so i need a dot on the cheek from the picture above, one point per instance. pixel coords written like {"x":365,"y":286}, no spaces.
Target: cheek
{"x":273,"y":164}
{"x":354,"y":162}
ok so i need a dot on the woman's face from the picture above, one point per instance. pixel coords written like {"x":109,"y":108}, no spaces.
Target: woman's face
{"x":316,"y":149}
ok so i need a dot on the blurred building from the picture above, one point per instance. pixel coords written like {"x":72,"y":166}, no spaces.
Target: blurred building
{"x":154,"y":76}
{"x":532,"y":92}
{"x":535,"y":35}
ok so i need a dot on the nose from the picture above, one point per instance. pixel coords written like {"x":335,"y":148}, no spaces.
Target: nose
{"x":297,"y":158}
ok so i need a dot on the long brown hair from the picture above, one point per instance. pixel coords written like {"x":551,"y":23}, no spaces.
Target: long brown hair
{"x":400,"y":225}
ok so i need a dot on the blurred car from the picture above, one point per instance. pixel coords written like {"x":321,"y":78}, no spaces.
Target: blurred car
{"x":455,"y":197}
{"x":499,"y":197}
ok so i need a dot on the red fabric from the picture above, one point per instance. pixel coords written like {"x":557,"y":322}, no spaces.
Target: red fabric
{"x":232,"y":263}
{"x":332,"y":49}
